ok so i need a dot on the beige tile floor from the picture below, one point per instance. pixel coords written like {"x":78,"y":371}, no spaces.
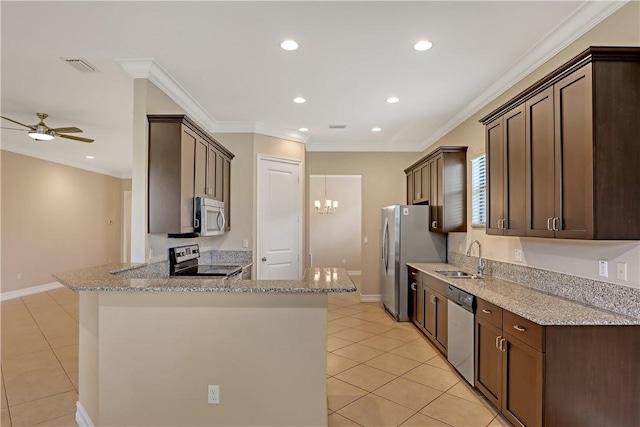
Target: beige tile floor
{"x":379,"y":372}
{"x":384,"y":373}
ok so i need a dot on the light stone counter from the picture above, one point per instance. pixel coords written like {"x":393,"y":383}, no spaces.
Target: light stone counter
{"x":147,"y":278}
{"x":539,"y":307}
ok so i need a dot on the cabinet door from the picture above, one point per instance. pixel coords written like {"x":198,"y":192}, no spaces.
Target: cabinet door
{"x":488,"y":363}
{"x":212,"y":162}
{"x":522,"y":376}
{"x":424,"y":182}
{"x":436,"y":194}
{"x":494,"y":137}
{"x":219,"y":187}
{"x":200,"y":173}
{"x":515,"y":183}
{"x":410,"y":188}
{"x":442,"y":320}
{"x":417,"y":185}
{"x":420,"y":306}
{"x":226,"y":191}
{"x":430,"y":313}
{"x":540,"y":166}
{"x":574,"y":155}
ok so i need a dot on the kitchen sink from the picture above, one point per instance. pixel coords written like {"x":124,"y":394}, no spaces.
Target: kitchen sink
{"x":457,"y":274}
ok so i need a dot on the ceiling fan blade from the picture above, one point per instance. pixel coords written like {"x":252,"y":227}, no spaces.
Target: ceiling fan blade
{"x":72,"y":129}
{"x":21,"y":130}
{"x":75,"y":138}
{"x":18,"y":123}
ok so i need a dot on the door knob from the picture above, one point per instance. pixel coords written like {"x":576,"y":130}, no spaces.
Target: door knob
{"x":264,"y":259}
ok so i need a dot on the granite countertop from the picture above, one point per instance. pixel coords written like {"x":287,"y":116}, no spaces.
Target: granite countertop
{"x":539,"y":307}
{"x":137,"y":277}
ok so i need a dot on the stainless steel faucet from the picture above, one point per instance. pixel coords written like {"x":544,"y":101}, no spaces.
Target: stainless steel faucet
{"x":481,"y":263}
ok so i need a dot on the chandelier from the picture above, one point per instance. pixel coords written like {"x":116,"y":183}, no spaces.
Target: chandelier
{"x":330,"y":206}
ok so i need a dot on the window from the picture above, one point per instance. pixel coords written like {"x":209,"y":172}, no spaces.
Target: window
{"x":478,"y":191}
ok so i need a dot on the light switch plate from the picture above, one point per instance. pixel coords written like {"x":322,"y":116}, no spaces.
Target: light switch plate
{"x":518,"y":255}
{"x":603,"y":268}
{"x":621,"y":271}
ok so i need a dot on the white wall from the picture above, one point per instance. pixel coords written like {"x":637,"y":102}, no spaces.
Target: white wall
{"x":334,"y":239}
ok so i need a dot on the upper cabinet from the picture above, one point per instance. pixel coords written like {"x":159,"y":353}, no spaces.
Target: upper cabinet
{"x":439,"y":180}
{"x":184,"y":162}
{"x":562,"y":156}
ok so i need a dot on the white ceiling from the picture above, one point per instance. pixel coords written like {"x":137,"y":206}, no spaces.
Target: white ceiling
{"x":226,"y":57}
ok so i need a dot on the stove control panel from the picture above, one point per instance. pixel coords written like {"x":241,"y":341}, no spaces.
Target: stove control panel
{"x":184,"y":253}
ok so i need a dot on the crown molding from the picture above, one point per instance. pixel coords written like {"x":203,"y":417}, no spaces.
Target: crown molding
{"x":148,"y":68}
{"x":356,"y":147}
{"x":587,"y":16}
{"x":61,"y":161}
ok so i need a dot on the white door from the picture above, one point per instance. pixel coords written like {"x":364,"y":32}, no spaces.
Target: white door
{"x":279,"y":219}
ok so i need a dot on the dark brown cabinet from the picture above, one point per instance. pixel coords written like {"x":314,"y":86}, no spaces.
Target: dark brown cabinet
{"x":544,"y":375}
{"x":439,"y":179}
{"x":506,"y":177}
{"x":429,"y":309}
{"x":184,"y":162}
{"x":581,"y":132}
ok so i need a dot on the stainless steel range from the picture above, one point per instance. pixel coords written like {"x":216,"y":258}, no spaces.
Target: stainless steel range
{"x":183,"y":261}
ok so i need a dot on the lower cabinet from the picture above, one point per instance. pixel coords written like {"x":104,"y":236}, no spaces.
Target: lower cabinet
{"x":429,"y":309}
{"x":549,"y":376}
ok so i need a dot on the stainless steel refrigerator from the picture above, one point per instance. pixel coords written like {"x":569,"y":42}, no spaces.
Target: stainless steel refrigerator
{"x":406,"y":238}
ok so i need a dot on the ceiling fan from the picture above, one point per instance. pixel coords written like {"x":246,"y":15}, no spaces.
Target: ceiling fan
{"x":42,"y":132}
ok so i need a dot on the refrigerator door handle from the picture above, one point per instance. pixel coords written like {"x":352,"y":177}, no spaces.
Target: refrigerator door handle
{"x":385,"y":244}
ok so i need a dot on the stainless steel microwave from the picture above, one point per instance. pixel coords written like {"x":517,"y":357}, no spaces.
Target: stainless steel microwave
{"x":209,"y":218}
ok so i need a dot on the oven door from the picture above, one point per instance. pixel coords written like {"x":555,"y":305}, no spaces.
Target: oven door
{"x":210,"y":220}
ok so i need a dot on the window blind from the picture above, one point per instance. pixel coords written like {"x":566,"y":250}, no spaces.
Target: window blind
{"x":478,"y":191}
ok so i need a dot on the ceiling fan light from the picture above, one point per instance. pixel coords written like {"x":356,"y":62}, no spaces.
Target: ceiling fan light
{"x":40,"y":136}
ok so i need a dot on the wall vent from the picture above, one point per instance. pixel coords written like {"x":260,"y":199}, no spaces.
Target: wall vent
{"x":80,"y":65}
{"x":337,"y":126}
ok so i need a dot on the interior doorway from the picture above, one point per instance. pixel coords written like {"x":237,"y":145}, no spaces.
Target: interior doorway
{"x":335,"y":238}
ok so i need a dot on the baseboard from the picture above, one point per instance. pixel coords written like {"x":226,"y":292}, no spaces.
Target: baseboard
{"x":370,"y":298}
{"x":82,"y":418}
{"x":29,"y":291}
{"x":354,"y":272}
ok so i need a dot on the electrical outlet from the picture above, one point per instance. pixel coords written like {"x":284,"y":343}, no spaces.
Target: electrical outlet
{"x":603,"y":268}
{"x":621,"y":271}
{"x":518,"y":255}
{"x":245,"y":243}
{"x":213,"y":396}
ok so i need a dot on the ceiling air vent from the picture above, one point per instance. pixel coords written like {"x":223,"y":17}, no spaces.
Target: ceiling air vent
{"x":337,"y":126}
{"x":80,"y":65}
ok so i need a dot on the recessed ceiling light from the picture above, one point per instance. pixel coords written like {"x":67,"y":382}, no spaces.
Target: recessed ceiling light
{"x":304,"y":129}
{"x":299,"y":100}
{"x":89,"y":157}
{"x":423,"y":45}
{"x":289,"y":45}
{"x":393,"y":100}
{"x":376,"y":129}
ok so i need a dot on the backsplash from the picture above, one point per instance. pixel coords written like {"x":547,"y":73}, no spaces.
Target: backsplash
{"x":241,"y":257}
{"x":608,"y":296}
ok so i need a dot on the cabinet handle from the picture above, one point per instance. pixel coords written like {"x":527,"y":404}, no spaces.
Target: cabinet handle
{"x":549,"y":224}
{"x":413,"y":287}
{"x":498,"y":342}
{"x":264,"y":259}
{"x":419,"y":195}
{"x":518,"y":328}
{"x":413,"y":273}
{"x":433,"y":299}
{"x":484,"y":310}
{"x":502,"y":344}
{"x":434,"y":224}
{"x":555,"y":224}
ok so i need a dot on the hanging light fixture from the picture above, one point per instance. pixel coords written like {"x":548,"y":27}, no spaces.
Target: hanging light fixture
{"x":330,"y":206}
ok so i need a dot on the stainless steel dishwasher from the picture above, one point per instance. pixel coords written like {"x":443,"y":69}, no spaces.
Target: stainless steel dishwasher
{"x":461,"y":332}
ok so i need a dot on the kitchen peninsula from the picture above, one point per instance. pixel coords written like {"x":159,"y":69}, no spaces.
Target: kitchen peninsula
{"x":150,"y":347}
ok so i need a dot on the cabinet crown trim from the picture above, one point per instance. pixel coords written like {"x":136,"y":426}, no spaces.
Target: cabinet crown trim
{"x":449,"y":149}
{"x":185,"y":120}
{"x":589,"y":55}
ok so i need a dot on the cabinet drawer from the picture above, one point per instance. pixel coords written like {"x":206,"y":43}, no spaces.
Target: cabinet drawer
{"x":414,"y":275}
{"x":525,"y":330}
{"x":489,"y":312}
{"x":435,"y":284}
